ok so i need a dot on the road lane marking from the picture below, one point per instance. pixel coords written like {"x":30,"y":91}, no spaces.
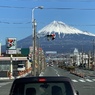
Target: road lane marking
{"x":41,"y":74}
{"x":58,"y":75}
{"x":81,"y":80}
{"x":93,"y":79}
{"x":88,"y":80}
{"x":74,"y":80}
{"x":56,"y":72}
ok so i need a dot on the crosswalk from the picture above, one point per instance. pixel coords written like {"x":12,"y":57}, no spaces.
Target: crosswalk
{"x":83,"y":80}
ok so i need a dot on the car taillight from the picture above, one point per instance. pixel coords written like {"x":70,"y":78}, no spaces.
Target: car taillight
{"x":42,"y":79}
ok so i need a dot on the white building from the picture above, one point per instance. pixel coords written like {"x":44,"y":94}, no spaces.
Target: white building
{"x":76,"y":54}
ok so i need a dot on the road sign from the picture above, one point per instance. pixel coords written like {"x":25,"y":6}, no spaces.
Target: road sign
{"x":11,"y":52}
{"x":11,"y":43}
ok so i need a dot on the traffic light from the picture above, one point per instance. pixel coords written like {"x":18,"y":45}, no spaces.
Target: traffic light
{"x":48,"y":37}
{"x":51,"y":36}
{"x":29,"y":57}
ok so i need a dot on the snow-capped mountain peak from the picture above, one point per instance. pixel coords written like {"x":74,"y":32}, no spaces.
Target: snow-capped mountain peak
{"x":61,"y":28}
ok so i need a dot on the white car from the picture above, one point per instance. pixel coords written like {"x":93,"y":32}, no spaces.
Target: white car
{"x":21,"y":67}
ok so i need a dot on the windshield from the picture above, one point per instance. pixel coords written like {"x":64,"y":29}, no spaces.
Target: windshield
{"x":20,"y":66}
{"x":43,"y":89}
{"x":47,"y":38}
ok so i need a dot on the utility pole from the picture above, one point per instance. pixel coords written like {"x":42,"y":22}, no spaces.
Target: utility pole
{"x":89,"y":55}
{"x":38,"y":55}
{"x":34,"y":48}
{"x":82,"y":56}
{"x":34,"y":38}
{"x":93,"y":53}
{"x":11,"y":65}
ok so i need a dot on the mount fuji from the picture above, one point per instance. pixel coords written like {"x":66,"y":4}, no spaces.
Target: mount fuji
{"x":67,"y":38}
{"x":61,"y":29}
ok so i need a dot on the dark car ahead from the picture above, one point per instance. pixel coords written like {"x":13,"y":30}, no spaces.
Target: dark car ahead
{"x":42,"y":86}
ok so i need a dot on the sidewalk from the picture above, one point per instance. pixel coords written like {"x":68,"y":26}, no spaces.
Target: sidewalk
{"x":83,"y":73}
{"x":7,"y":78}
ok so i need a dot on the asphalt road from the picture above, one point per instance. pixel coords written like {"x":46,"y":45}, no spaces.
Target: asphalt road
{"x":85,"y":86}
{"x":5,"y":86}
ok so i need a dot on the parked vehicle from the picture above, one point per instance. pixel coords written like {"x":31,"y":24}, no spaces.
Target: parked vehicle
{"x":21,"y":67}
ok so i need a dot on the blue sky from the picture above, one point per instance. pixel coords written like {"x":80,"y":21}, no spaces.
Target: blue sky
{"x":16,"y":16}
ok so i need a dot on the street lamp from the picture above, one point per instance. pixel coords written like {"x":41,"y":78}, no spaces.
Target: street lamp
{"x":40,"y":7}
{"x":34,"y":36}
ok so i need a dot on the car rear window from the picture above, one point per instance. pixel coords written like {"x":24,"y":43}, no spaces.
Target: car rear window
{"x":20,"y":66}
{"x":56,"y":88}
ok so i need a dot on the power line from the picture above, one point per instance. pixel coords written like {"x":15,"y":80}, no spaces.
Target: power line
{"x":15,"y":7}
{"x":83,"y":25}
{"x":5,"y":22}
{"x":71,"y":8}
{"x":29,"y":22}
{"x":55,"y":0}
{"x":64,"y":8}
